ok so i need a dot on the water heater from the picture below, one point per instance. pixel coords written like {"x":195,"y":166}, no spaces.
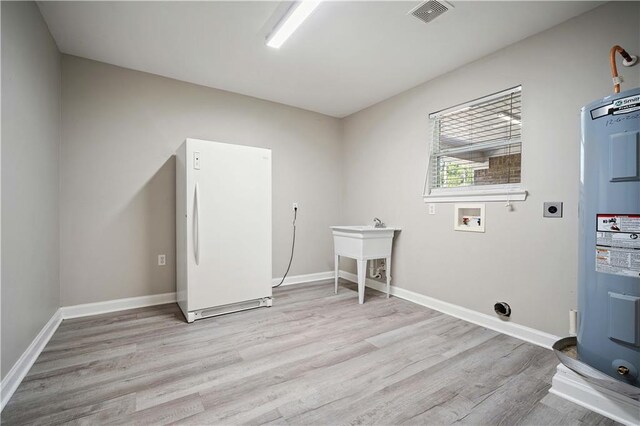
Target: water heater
{"x":609,"y":246}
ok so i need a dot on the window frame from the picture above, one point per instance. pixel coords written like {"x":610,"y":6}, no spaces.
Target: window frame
{"x":471,"y":193}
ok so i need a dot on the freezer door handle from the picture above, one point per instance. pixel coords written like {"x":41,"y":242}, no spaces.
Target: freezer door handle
{"x":196,"y":225}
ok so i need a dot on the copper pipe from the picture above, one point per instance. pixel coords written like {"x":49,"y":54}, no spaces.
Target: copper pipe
{"x":614,"y":67}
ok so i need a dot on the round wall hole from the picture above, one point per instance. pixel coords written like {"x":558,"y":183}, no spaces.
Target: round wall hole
{"x":502,"y":308}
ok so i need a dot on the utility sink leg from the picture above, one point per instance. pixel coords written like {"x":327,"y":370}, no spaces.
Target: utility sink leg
{"x":336,"y":264}
{"x":388,"y":272}
{"x":362,"y":276}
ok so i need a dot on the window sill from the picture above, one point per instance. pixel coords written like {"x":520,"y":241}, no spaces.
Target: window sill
{"x":476,"y":194}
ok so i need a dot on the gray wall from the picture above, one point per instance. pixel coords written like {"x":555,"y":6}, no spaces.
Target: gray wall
{"x":120,"y":131}
{"x":30,"y":147}
{"x":522,"y":258}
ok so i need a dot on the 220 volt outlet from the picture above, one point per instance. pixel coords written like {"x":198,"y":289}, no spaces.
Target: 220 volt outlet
{"x":552,"y":209}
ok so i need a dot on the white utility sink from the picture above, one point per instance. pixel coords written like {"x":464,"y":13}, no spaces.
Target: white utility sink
{"x":366,"y":229}
{"x":363,"y":243}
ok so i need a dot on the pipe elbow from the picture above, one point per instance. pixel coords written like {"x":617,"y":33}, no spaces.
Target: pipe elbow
{"x":628,"y":59}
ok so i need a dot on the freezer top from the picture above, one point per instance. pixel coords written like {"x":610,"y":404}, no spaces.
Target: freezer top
{"x":194,"y":143}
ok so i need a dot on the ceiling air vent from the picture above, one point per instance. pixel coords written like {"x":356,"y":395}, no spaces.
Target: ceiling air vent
{"x":429,"y":10}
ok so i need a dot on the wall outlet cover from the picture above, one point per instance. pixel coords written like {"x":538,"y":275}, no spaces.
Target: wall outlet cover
{"x":162,"y":260}
{"x":552,"y":209}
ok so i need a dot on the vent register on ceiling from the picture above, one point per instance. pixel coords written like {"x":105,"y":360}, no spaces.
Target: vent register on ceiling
{"x":429,"y":10}
{"x":477,"y":143}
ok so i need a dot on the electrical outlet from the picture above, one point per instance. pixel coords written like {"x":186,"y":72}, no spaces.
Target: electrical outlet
{"x":162,"y":260}
{"x":432,"y":209}
{"x":295,"y":206}
{"x":552,"y":209}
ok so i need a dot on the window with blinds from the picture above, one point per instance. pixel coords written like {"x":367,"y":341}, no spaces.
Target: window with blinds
{"x":477,"y":143}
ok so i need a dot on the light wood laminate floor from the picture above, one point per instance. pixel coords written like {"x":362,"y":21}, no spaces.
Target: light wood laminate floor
{"x":313,"y":358}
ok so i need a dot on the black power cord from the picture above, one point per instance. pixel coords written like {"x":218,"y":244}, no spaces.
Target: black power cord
{"x":293,"y":245}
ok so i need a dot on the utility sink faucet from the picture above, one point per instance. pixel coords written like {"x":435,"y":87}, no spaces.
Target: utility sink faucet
{"x":377,"y":223}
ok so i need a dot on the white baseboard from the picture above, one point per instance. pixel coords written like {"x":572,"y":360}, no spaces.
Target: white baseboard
{"x":107,"y":306}
{"x":570,"y":386}
{"x":307,"y":278}
{"x":22,"y":366}
{"x":96,"y":308}
{"x":20,"y":369}
{"x":518,"y":331}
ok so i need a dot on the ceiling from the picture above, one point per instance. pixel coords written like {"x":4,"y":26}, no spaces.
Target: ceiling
{"x":345,"y":57}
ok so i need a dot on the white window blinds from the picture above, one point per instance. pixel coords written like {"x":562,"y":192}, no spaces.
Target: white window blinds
{"x":477,"y":143}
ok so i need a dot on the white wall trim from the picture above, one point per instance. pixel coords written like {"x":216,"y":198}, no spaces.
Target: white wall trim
{"x":306,"y":278}
{"x":570,"y":386}
{"x":22,"y":366}
{"x":507,"y":192}
{"x":20,"y":369}
{"x":87,"y":309}
{"x":107,"y":306}
{"x":518,"y":331}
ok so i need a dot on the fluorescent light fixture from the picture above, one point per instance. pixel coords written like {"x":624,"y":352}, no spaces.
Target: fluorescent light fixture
{"x":290,"y":22}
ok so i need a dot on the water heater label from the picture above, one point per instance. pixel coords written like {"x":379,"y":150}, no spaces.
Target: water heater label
{"x":618,"y":244}
{"x":619,"y":106}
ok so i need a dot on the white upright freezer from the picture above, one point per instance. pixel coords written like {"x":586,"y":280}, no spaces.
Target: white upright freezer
{"x":223,"y":228}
